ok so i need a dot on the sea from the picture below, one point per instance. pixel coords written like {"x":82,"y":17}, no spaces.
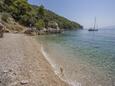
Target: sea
{"x":82,"y":57}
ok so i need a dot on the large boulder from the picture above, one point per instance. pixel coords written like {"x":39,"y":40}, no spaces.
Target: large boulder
{"x":53,"y":24}
{"x":29,"y":31}
{"x":53,"y":27}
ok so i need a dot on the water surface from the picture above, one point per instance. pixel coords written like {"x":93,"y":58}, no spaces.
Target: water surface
{"x":87,"y":58}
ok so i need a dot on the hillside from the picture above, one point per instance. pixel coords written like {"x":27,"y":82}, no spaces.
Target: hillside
{"x":64,"y":23}
{"x":34,"y":16}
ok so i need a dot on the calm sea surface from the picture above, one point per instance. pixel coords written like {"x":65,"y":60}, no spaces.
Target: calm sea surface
{"x":87,"y":58}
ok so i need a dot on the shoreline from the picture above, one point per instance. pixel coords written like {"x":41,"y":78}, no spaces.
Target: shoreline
{"x":58,"y":69}
{"x":24,"y":64}
{"x":57,"y":73}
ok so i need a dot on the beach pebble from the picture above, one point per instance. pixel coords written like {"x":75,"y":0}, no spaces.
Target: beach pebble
{"x":23,"y":82}
{"x":5,"y":71}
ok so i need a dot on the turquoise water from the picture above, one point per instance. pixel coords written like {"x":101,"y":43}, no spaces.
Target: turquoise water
{"x":87,"y":58}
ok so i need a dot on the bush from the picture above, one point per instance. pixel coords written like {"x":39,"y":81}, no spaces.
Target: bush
{"x":41,"y":12}
{"x":5,"y":17}
{"x":40,"y":24}
{"x":30,"y":15}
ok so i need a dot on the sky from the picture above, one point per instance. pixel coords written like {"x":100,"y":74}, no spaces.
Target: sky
{"x":82,"y":11}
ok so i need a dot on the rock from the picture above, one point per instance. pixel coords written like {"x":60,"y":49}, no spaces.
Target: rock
{"x":41,"y":32}
{"x":1,"y":26}
{"x":31,"y":32}
{"x":53,"y":24}
{"x":7,"y":31}
{"x":53,"y":27}
{"x":1,"y":30}
{"x":15,"y":32}
{"x":44,"y":29}
{"x":5,"y":71}
{"x":23,"y":82}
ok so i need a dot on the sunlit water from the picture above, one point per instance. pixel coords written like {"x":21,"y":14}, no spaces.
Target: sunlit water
{"x":87,"y":58}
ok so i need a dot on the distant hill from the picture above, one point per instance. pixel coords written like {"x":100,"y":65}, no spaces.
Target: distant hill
{"x":31,"y":15}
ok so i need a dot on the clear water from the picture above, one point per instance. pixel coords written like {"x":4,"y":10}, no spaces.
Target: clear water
{"x":87,"y":58}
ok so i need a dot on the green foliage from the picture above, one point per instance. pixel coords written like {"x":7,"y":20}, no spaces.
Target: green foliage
{"x":19,"y":8}
{"x":5,"y":17}
{"x":37,"y":16}
{"x":1,"y":5}
{"x":63,"y":22}
{"x":40,"y":24}
{"x":22,"y":12}
{"x":40,"y":12}
{"x":52,"y":24}
{"x":8,"y":2}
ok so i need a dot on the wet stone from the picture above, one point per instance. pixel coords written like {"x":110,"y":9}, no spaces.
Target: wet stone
{"x":23,"y":82}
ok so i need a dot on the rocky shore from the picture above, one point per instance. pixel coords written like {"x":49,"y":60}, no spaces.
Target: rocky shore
{"x":22,"y":63}
{"x":52,"y":28}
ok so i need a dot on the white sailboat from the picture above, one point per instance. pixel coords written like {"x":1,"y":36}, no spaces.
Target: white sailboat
{"x":94,"y":28}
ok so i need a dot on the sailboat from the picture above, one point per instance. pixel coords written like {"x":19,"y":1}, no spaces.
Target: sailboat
{"x":94,"y":28}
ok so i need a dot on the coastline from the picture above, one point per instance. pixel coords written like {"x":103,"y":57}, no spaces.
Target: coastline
{"x":58,"y":70}
{"x":24,"y":63}
{"x":53,"y":65}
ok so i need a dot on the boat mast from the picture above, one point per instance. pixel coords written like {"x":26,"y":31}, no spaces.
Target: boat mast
{"x":95,"y":23}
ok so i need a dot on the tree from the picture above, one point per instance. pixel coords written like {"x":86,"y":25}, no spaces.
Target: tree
{"x":31,"y":15}
{"x":41,"y":12}
{"x":22,"y":12}
{"x":1,"y":5}
{"x":9,"y":2}
{"x":27,"y":19}
{"x":5,"y":17}
{"x":40,"y":24}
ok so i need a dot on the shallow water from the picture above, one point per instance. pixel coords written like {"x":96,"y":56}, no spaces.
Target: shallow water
{"x":87,"y":58}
